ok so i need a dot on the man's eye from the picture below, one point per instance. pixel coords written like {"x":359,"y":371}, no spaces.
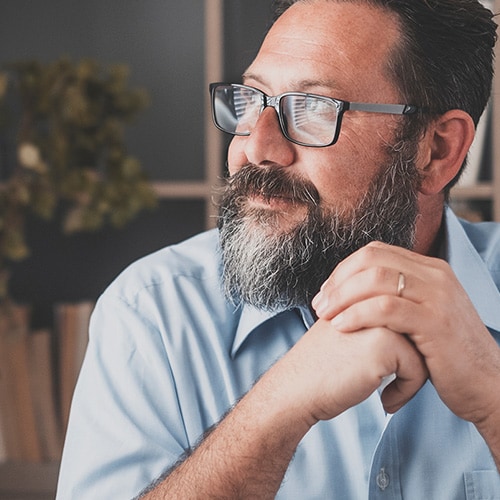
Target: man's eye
{"x":319,"y":106}
{"x":320,"y":109}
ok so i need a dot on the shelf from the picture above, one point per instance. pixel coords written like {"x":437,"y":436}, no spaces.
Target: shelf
{"x":481,"y":191}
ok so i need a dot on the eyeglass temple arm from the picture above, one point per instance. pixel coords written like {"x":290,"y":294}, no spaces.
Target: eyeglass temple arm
{"x":393,"y":109}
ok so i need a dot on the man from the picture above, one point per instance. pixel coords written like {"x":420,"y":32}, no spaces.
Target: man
{"x":354,"y":351}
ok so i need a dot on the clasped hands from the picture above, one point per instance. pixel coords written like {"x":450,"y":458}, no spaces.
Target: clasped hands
{"x":386,"y":310}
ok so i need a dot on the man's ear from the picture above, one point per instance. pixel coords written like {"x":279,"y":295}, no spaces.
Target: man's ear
{"x":443,"y":150}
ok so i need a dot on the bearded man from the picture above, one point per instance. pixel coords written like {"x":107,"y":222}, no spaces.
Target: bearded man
{"x":337,"y":336}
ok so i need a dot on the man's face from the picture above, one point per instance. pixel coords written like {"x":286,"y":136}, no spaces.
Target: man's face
{"x":291,"y":213}
{"x":338,"y":50}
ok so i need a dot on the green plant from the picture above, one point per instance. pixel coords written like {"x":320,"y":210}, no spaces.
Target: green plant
{"x":65,"y":122}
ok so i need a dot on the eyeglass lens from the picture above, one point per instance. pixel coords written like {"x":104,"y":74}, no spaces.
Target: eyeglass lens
{"x":305,"y":119}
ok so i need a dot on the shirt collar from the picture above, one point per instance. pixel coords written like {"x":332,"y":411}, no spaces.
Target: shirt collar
{"x":251,"y":318}
{"x":472,"y":272}
{"x":463,"y":258}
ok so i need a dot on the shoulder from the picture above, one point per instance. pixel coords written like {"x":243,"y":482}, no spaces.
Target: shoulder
{"x":485,"y":238}
{"x":484,"y":241}
{"x":196,"y":260}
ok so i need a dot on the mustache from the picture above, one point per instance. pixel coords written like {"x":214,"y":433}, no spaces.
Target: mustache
{"x":271,"y":182}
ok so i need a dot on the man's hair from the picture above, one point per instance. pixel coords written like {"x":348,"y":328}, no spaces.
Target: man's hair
{"x":445,"y":58}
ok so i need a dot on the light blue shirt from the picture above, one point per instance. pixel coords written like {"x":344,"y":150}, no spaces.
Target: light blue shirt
{"x":168,"y":356}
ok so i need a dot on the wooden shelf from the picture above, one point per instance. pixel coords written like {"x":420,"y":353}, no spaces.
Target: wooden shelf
{"x":481,"y":191}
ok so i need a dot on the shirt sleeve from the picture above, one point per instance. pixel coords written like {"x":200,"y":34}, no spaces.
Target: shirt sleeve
{"x":125,"y":426}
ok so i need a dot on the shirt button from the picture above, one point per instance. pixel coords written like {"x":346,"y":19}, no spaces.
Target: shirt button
{"x":382,"y":479}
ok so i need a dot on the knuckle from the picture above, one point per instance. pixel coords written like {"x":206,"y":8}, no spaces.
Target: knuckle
{"x":379,"y":275}
{"x":367,"y":254}
{"x":442,"y":270}
{"x":375,"y":244}
{"x":386,"y":304}
{"x":381,"y":339}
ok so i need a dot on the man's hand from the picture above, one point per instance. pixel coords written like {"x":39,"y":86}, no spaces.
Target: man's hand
{"x":325,"y":373}
{"x":329,"y":372}
{"x":432,"y":310}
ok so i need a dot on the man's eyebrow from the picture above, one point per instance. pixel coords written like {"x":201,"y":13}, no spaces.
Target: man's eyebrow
{"x":253,"y":76}
{"x":319,"y":83}
{"x":296,"y":85}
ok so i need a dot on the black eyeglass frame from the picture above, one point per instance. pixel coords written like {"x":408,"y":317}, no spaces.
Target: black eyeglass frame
{"x":341,"y":105}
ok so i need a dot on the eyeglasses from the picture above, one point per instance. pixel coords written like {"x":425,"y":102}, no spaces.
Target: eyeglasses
{"x":305,"y":119}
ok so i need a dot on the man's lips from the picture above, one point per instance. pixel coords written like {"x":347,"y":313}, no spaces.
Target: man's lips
{"x":273,"y":201}
{"x":272,"y":186}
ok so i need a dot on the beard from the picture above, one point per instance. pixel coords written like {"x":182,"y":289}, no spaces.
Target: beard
{"x":273,"y":268}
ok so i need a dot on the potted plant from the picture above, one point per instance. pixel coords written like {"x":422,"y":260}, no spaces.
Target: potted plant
{"x":62,"y":147}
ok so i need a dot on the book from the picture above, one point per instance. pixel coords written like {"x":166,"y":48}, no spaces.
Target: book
{"x":72,"y":324}
{"x":3,"y":447}
{"x":18,"y":419}
{"x":42,"y":380}
{"x":4,"y":397}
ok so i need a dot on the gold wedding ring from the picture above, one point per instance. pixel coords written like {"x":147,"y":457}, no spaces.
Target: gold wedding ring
{"x":401,"y":284}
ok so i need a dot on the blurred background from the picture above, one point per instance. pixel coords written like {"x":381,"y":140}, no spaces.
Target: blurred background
{"x":82,"y":82}
{"x":165,"y":46}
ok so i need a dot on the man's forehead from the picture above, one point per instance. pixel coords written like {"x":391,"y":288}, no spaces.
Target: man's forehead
{"x":297,"y":84}
{"x":339,"y":26}
{"x":325,"y":44}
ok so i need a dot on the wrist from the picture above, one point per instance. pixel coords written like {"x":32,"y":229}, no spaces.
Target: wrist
{"x":279,"y":398}
{"x":489,"y":428}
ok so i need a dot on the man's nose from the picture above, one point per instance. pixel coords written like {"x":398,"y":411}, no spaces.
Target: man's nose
{"x":266,"y":144}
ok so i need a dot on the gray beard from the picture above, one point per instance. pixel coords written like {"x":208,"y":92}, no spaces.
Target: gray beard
{"x":273,"y":269}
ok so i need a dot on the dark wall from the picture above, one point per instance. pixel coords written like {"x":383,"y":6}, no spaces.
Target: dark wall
{"x":65,"y":268}
{"x":162,"y":42}
{"x":245,"y":24}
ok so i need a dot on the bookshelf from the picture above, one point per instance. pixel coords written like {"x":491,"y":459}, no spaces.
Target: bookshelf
{"x":38,"y":373}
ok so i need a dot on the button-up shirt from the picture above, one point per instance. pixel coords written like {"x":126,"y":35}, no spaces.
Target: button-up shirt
{"x":168,"y":355}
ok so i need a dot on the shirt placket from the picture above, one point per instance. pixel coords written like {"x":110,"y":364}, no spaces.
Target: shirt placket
{"x":384,"y":482}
